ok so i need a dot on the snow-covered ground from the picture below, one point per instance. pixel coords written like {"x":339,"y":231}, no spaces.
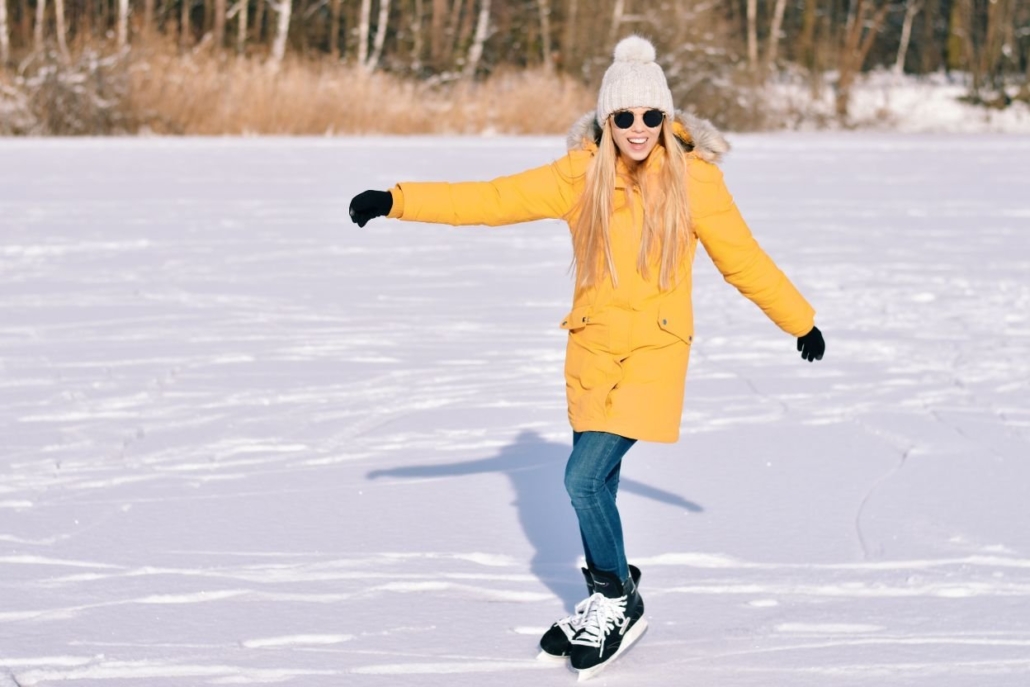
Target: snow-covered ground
{"x":243,"y":441}
{"x":882,"y":100}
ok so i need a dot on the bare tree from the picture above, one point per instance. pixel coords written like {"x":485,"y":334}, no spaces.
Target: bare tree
{"x":912,"y":8}
{"x":932,"y":49}
{"x":5,"y":36}
{"x":364,"y":28}
{"x":956,"y":53}
{"x":465,"y":30}
{"x":1024,"y":90}
{"x":257,"y":30}
{"x":380,"y":39}
{"x":451,"y":28}
{"x":62,"y":30}
{"x":568,"y":48}
{"x":123,"y":22}
{"x":545,"y":33}
{"x":774,"y":34}
{"x":282,"y":29}
{"x":476,"y":51}
{"x":436,"y":33}
{"x":149,"y":7}
{"x":417,"y":37}
{"x":218,"y":29}
{"x":752,"y":34}
{"x":806,"y":40}
{"x":184,"y":23}
{"x":1023,"y":19}
{"x":241,"y":25}
{"x":37,"y":34}
{"x":998,"y":16}
{"x":977,"y":42}
{"x":863,"y":26}
{"x":334,"y":28}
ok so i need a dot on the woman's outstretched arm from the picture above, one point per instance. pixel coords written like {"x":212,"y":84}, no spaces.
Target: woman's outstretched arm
{"x":546,"y":192}
{"x":737,"y":255}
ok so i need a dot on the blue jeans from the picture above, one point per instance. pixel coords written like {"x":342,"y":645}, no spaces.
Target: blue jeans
{"x":592,"y":480}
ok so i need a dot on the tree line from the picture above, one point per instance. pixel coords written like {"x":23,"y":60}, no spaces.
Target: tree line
{"x":705,"y":46}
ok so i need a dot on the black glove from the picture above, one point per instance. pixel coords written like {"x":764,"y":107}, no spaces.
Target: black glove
{"x":812,"y":345}
{"x":369,"y":204}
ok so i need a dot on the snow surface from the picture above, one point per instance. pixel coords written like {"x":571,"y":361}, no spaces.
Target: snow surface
{"x":885,"y":101}
{"x":245,"y":442}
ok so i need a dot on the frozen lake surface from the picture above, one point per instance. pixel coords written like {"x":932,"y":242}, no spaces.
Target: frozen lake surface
{"x":243,"y":441}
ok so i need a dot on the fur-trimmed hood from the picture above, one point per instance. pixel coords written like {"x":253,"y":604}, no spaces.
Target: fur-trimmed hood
{"x":695,"y":134}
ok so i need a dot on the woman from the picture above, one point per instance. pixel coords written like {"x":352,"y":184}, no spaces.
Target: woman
{"x":638,"y":189}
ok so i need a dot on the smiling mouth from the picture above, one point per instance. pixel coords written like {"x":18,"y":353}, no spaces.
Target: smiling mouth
{"x":638,"y":141}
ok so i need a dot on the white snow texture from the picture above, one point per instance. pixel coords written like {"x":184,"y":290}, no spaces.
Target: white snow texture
{"x":243,"y":441}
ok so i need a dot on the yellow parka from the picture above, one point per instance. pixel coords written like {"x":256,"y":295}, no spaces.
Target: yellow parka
{"x":628,"y":346}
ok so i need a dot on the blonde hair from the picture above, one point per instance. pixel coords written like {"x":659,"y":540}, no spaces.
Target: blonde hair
{"x":666,"y":235}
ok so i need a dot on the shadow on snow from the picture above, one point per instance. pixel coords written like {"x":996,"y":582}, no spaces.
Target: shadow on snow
{"x":536,"y":468}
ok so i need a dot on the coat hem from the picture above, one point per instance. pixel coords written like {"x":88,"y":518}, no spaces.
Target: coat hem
{"x":624,"y":430}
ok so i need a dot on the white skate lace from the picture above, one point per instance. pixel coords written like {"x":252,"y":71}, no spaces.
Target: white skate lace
{"x":601,"y":616}
{"x":570,"y":625}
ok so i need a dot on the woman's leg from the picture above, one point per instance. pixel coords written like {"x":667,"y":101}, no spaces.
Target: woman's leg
{"x":612,"y":484}
{"x":592,"y":480}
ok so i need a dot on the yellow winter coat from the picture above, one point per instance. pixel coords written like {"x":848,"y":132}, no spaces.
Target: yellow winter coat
{"x":627,"y":351}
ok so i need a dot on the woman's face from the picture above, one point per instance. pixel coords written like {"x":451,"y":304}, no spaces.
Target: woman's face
{"x":638,"y":140}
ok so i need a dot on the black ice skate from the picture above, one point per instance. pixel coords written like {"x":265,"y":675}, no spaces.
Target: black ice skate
{"x":613,"y":619}
{"x":556,"y":642}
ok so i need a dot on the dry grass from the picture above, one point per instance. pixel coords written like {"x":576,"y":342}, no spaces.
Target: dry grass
{"x":210,"y":94}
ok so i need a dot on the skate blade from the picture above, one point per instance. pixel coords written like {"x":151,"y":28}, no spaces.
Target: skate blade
{"x":545,"y":657}
{"x":629,"y":640}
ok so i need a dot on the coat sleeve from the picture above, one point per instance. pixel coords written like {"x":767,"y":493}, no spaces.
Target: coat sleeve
{"x":545,"y":192}
{"x":737,"y":255}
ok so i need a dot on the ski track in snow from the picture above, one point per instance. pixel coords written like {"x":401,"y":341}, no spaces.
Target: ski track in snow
{"x":245,"y":442}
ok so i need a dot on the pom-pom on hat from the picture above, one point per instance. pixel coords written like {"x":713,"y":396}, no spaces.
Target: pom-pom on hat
{"x":633,"y":80}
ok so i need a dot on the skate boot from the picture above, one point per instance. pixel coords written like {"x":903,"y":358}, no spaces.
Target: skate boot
{"x":556,"y":642}
{"x":612,"y":620}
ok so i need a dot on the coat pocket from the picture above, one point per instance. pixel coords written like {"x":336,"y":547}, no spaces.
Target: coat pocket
{"x":577,"y":319}
{"x":587,"y":357}
{"x":678,"y":322}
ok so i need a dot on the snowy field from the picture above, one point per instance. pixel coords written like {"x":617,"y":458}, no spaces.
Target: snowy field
{"x":243,"y":441}
{"x":884,"y":101}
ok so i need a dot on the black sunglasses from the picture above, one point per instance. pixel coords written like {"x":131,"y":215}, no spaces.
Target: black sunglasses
{"x":624,"y":119}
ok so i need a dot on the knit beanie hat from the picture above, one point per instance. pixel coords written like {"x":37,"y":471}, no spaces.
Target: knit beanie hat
{"x":633,"y":80}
